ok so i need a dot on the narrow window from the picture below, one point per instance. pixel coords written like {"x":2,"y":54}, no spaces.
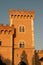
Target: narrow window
{"x":21,"y":45}
{"x":21,"y":29}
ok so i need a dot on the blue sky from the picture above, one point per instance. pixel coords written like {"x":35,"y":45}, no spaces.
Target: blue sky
{"x":37,"y":5}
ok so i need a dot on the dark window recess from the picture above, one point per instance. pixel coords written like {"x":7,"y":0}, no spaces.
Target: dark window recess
{"x":27,"y":15}
{"x":1,"y":30}
{"x":15,"y":15}
{"x":11,"y":16}
{"x":31,"y":15}
{"x":18,"y":15}
{"x":21,"y":15}
{"x":22,"y":45}
{"x":24,"y":15}
{"x":21,"y":29}
{"x":0,"y":42}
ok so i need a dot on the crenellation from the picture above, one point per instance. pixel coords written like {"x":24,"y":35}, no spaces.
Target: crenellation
{"x":21,"y":13}
{"x":39,"y":51}
{"x":19,"y":10}
{"x":7,"y":26}
{"x":32,"y":12}
{"x":10,"y":12}
{"x":6,"y":29}
{"x":1,"y":25}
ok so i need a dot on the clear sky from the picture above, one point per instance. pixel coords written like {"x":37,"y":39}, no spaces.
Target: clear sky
{"x":37,"y":5}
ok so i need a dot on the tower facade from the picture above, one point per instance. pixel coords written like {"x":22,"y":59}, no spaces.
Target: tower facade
{"x":24,"y":36}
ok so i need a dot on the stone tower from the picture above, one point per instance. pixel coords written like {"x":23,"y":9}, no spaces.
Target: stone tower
{"x":24,"y":36}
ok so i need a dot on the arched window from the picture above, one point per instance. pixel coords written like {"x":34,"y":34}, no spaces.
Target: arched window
{"x":21,"y":29}
{"x":21,"y":45}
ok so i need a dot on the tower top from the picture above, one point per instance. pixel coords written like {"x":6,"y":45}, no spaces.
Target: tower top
{"x":21,"y":13}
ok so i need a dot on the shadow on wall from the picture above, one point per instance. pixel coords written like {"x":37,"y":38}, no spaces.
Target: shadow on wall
{"x":14,"y":32}
{"x":14,"y":35}
{"x":4,"y":61}
{"x":24,"y":60}
{"x":35,"y":59}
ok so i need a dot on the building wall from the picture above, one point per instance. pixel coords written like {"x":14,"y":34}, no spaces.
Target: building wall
{"x":11,"y":52}
{"x":6,"y":35}
{"x":27,"y":59}
{"x":22,"y":18}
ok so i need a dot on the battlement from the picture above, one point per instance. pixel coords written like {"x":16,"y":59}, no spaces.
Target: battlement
{"x":21,"y":13}
{"x":6,"y":29}
{"x":39,"y":51}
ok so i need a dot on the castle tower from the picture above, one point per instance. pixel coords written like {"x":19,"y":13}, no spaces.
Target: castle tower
{"x":24,"y":36}
{"x":6,"y":35}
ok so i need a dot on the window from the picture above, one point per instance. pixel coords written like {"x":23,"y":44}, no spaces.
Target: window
{"x":21,"y":45}
{"x":21,"y":29}
{"x":0,"y":43}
